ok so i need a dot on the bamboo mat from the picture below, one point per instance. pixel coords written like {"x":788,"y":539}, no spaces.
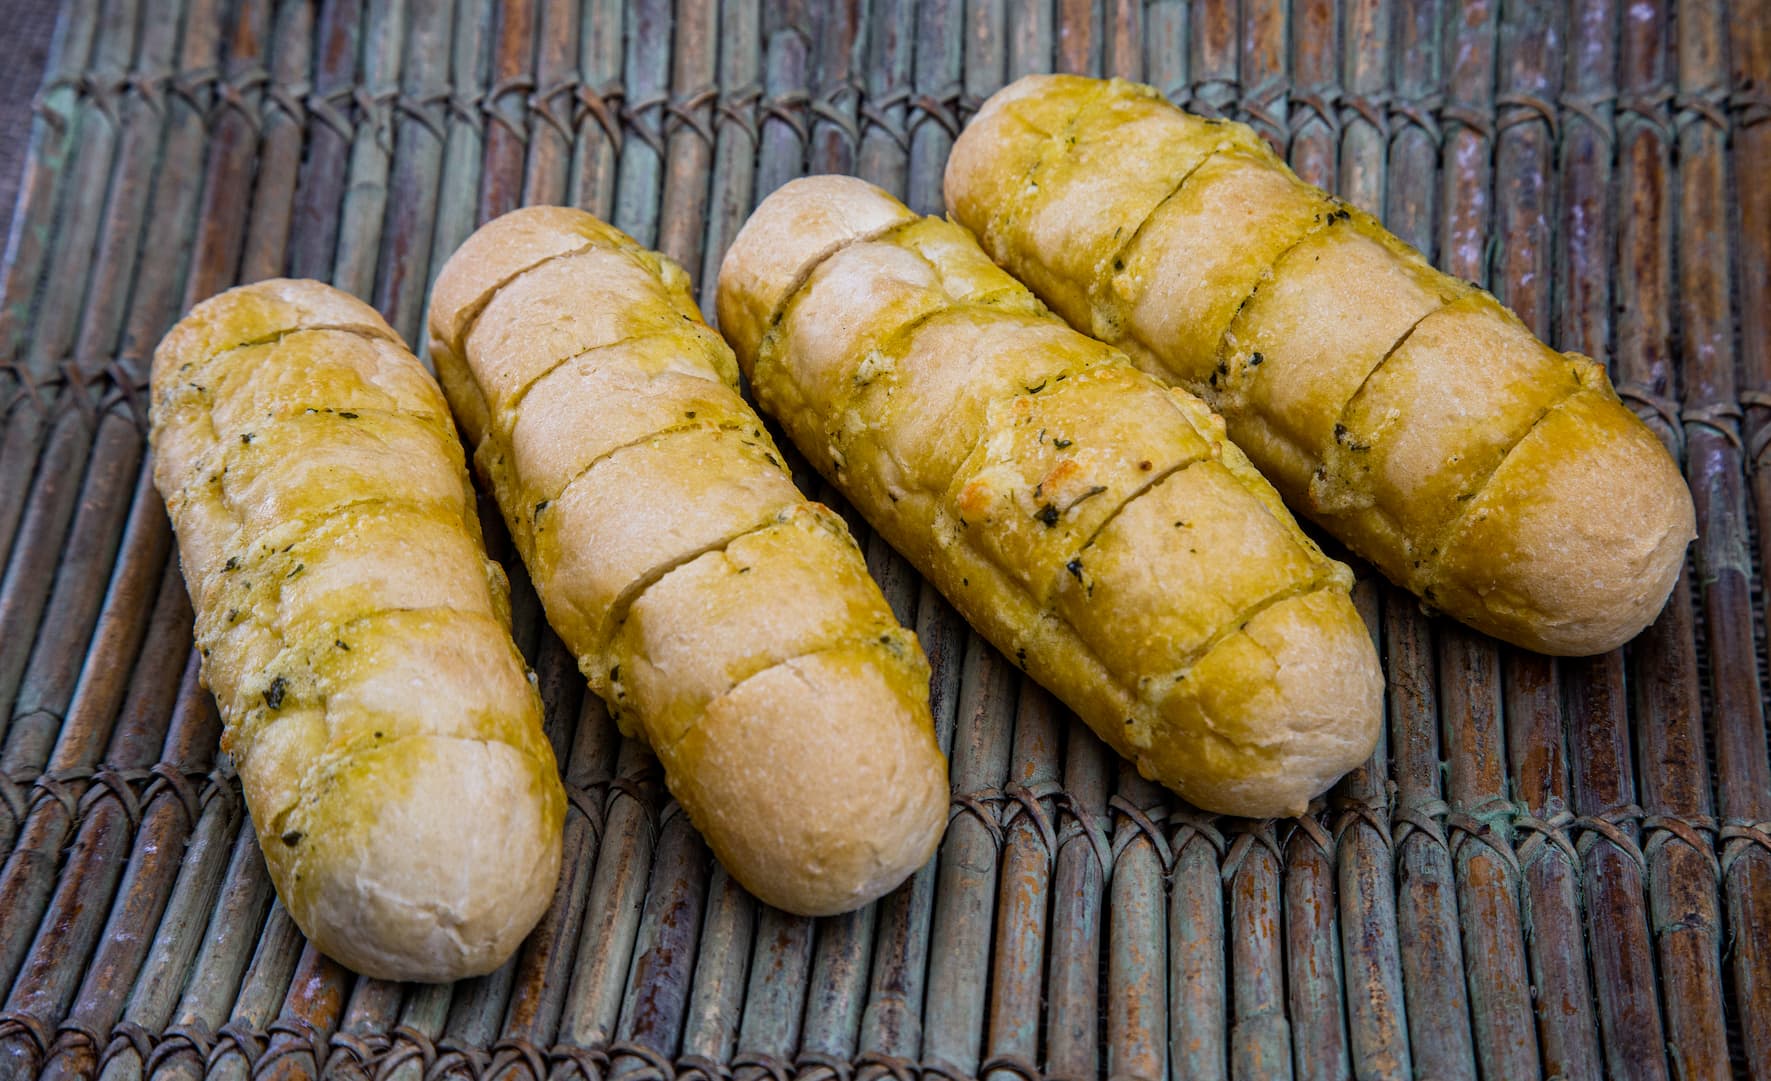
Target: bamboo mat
{"x":23,"y":50}
{"x":1549,"y":868}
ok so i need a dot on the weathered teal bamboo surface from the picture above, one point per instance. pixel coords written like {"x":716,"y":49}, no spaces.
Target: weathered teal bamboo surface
{"x":1550,"y":868}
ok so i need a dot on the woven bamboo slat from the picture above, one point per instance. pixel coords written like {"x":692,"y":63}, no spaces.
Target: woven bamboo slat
{"x":1555,"y":868}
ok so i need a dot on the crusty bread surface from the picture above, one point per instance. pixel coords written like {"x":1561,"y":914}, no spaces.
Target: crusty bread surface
{"x":1406,"y":411}
{"x":355,"y":635}
{"x":1094,"y":525}
{"x":727,"y":621}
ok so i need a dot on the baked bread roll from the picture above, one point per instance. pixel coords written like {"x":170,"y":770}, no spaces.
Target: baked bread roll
{"x":1091,"y":523}
{"x":1409,"y":413}
{"x":728,"y":622}
{"x":386,"y":730}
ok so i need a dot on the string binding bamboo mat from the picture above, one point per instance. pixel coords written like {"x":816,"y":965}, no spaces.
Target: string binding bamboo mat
{"x":1549,"y":869}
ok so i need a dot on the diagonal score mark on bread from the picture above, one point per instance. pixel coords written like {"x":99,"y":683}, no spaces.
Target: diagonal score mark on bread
{"x":1498,"y":479}
{"x":927,"y":313}
{"x":354,"y":633}
{"x":696,"y":586}
{"x":1022,"y":467}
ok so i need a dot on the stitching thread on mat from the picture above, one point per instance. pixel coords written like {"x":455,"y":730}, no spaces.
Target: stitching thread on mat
{"x":604,"y":106}
{"x":71,"y":1038}
{"x":231,"y":96}
{"x":635,"y":114}
{"x":877,"y":1065}
{"x":77,"y":791}
{"x":693,"y":112}
{"x":1610,"y":824}
{"x":362,"y":1049}
{"x":1658,"y":411}
{"x":440,"y":1058}
{"x":696,"y":1067}
{"x":1372,"y":811}
{"x":454,"y":1057}
{"x":1168,"y":831}
{"x":1543,"y":836}
{"x":236,"y":1038}
{"x":511,"y":1050}
{"x":1758,"y":439}
{"x":1718,"y":418}
{"x":556,"y":106}
{"x":1312,"y":831}
{"x":1561,"y":832}
{"x":653,"y":1066}
{"x":1421,"y":818}
{"x":98,"y":385}
{"x":491,"y":105}
{"x":1026,"y":801}
{"x":1251,"y":836}
{"x":789,"y":108}
{"x":753,"y":1065}
{"x":1018,"y":1065}
{"x":1486,"y":825}
{"x":128,"y":1036}
{"x":404,"y":1044}
{"x":739,"y":107}
{"x":1740,"y":837}
{"x":1280,"y":112}
{"x":1078,"y":822}
{"x":834,"y":106}
{"x":117,"y":785}
{"x":13,"y":801}
{"x":810,"y":1065}
{"x":1136,"y":822}
{"x":1697,"y":833}
{"x":35,"y":1032}
{"x":590,"y":801}
{"x":289,"y":1037}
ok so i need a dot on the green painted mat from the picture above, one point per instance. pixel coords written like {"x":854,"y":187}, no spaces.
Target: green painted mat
{"x":1550,"y":868}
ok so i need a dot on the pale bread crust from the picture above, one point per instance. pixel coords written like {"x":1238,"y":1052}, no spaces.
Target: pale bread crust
{"x":728,"y":622}
{"x":1407,"y":412}
{"x":356,"y":637}
{"x":1092,"y":524}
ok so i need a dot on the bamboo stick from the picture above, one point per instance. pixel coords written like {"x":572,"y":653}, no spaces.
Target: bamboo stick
{"x":965,"y":894}
{"x":55,"y":630}
{"x":51,"y":140}
{"x":736,"y":137}
{"x":314,"y":232}
{"x":197,"y":893}
{"x":421,"y":132}
{"x":600,"y":92}
{"x":365,"y":197}
{"x":688,"y":132}
{"x":1316,"y":981}
{"x":1024,"y":894}
{"x":1715,"y":467}
{"x":64,"y":910}
{"x":239,"y":937}
{"x":1749,"y":47}
{"x":282,"y":139}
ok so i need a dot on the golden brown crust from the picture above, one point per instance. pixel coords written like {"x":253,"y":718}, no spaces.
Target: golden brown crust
{"x":1091,"y":523}
{"x":1383,"y":398}
{"x":727,"y":621}
{"x":355,"y":635}
{"x":821,"y":228}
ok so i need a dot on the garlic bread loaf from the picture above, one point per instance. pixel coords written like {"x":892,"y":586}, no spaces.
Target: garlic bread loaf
{"x":728,"y":622}
{"x":1091,"y":523}
{"x":357,"y":639}
{"x":1406,"y":411}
